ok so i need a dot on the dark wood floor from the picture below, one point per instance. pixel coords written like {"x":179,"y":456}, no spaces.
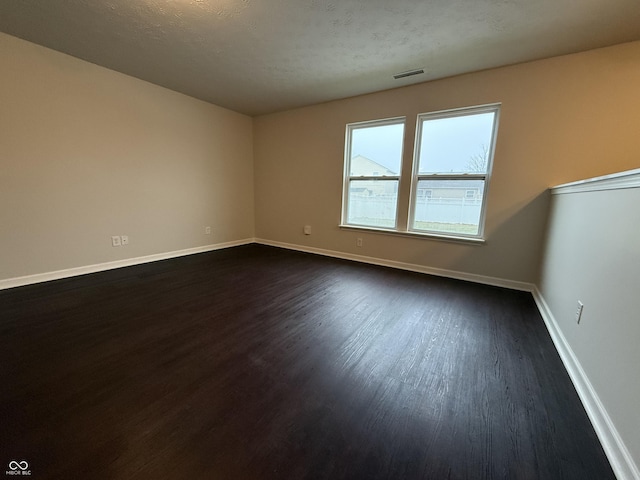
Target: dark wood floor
{"x":260,"y":363}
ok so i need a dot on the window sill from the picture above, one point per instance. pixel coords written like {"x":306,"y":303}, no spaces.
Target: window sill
{"x":426,"y":236}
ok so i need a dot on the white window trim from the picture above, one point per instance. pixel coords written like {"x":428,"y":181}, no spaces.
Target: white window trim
{"x":407,"y":231}
{"x":416,"y":177}
{"x":424,"y":236}
{"x":347,"y":178}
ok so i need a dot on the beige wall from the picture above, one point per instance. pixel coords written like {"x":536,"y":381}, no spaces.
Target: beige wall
{"x":86,"y":153}
{"x":562,"y":119}
{"x":592,"y":255}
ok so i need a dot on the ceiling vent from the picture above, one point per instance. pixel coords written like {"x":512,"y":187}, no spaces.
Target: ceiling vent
{"x":408,"y":74}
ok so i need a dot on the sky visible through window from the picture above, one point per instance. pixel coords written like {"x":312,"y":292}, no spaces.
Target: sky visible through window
{"x":382,"y":144}
{"x":448,"y":144}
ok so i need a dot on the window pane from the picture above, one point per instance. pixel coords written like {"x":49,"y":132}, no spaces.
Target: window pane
{"x":373,"y":203}
{"x":376,"y":150}
{"x":458,"y":144}
{"x":448,"y":206}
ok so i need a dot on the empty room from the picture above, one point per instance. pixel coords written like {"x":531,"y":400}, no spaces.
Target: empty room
{"x":320,"y":240}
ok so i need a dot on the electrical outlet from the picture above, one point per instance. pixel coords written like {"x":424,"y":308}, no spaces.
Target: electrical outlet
{"x":579,"y":311}
{"x":124,"y":239}
{"x":207,"y":230}
{"x":358,"y":242}
{"x":307,"y":230}
{"x":115,"y":241}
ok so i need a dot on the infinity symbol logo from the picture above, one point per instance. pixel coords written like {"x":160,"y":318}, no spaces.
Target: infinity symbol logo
{"x":23,"y":465}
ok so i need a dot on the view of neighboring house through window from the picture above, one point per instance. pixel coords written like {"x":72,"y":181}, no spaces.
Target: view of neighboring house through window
{"x":372,"y":173}
{"x":452,"y":163}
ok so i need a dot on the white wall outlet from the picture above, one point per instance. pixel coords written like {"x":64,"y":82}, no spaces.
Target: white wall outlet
{"x":579,"y":311}
{"x":358,"y":242}
{"x":124,"y":239}
{"x":115,"y":241}
{"x":207,"y":230}
{"x":307,"y":230}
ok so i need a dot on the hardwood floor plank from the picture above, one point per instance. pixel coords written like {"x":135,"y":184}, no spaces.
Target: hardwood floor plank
{"x":259,"y":363}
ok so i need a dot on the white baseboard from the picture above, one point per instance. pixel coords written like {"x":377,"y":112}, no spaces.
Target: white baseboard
{"x":100,"y":267}
{"x":471,"y":277}
{"x":621,"y":461}
{"x":83,"y":270}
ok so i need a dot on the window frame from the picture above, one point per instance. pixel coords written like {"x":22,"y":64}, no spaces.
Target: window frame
{"x":408,"y":178}
{"x":485,"y":177}
{"x":348,"y":178}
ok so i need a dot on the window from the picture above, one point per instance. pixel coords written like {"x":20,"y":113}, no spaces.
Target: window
{"x":373,"y":159}
{"x":452,"y":158}
{"x":445,"y":195}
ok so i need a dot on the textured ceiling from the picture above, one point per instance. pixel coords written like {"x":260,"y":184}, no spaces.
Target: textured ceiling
{"x":260,"y":56}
